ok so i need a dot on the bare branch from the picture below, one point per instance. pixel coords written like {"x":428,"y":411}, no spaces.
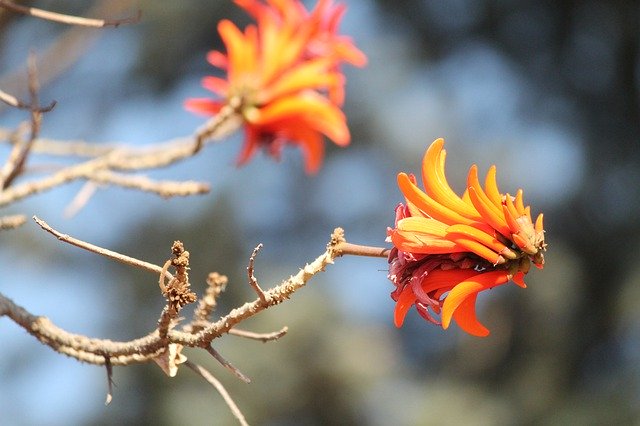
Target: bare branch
{"x":205,"y":374}
{"x":158,"y":155}
{"x":252,"y":279}
{"x":69,"y":19}
{"x":12,"y":222}
{"x":228,"y":365}
{"x":102,"y":251}
{"x":265,"y":337}
{"x":71,"y":148}
{"x":149,"y":347}
{"x":17,"y":103}
{"x":165,"y":189}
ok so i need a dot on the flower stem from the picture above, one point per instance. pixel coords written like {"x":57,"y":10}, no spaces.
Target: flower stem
{"x":343,"y":248}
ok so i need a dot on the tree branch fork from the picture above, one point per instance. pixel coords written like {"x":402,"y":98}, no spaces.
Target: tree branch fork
{"x":200,"y":331}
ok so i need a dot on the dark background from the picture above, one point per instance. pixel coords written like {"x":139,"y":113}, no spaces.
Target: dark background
{"x":546,"y":90}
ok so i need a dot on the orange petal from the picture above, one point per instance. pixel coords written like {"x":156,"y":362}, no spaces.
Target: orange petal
{"x":312,"y":110}
{"x":404,"y":303}
{"x":435,"y":182}
{"x":477,"y":248}
{"x":467,"y":288}
{"x":416,"y":242}
{"x":480,"y":236}
{"x":312,"y":147}
{"x":427,"y":204}
{"x":491,"y":187}
{"x":466,"y":318}
{"x":510,"y":214}
{"x":519,"y":203}
{"x":241,"y":50}
{"x":489,"y":211}
{"x":309,"y":75}
{"x":518,"y":278}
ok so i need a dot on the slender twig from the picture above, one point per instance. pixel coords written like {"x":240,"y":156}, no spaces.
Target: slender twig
{"x":80,"y":200}
{"x":165,"y":189}
{"x":20,"y":152}
{"x":228,"y":365}
{"x":205,"y":374}
{"x":102,"y":251}
{"x":69,"y":19}
{"x":264,"y":337}
{"x":17,"y":103}
{"x":252,"y":279}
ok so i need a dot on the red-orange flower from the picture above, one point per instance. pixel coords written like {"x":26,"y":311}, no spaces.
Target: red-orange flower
{"x":276,"y":85}
{"x":448,"y":248}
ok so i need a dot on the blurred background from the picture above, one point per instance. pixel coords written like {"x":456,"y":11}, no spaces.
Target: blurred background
{"x":546,"y":90}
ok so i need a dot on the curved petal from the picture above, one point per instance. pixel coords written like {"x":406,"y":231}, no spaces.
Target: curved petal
{"x":435,"y":182}
{"x":466,"y":317}
{"x":403,"y":304}
{"x":491,"y":188}
{"x":467,"y":288}
{"x":489,"y":211}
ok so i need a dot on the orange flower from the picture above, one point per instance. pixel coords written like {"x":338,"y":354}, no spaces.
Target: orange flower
{"x":273,"y":83}
{"x":448,"y":248}
{"x":321,"y":26}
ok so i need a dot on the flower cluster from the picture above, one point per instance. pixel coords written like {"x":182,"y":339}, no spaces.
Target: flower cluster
{"x":283,"y":77}
{"x":448,"y":248}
